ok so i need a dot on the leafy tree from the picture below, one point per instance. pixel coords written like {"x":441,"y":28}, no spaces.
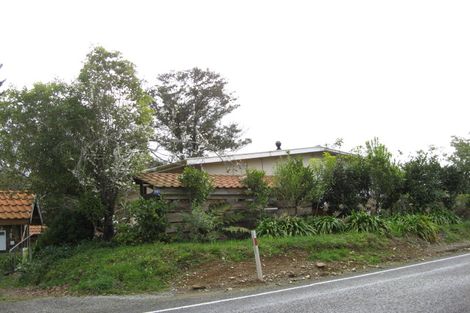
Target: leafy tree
{"x":422,"y":181}
{"x":293,"y":182}
{"x":257,"y":187}
{"x":190,"y":106}
{"x":461,"y":159}
{"x":147,"y":222}
{"x":113,"y":143}
{"x":322,"y":170}
{"x":385,"y":175}
{"x":350,"y":184}
{"x":453,"y":183}
{"x":38,"y":127}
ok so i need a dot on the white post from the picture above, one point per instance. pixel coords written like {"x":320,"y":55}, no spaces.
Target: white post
{"x":259,"y":271}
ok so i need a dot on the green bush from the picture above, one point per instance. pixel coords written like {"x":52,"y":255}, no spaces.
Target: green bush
{"x":462,"y":206}
{"x":257,"y":188}
{"x":68,"y":227}
{"x":146,"y":222}
{"x":422,"y":181}
{"x":203,"y":225}
{"x":444,"y":217}
{"x":361,"y":221}
{"x":198,"y":183}
{"x":9,"y":262}
{"x":327,"y":224}
{"x":350,"y":184}
{"x":284,"y":226}
{"x":293,"y":182}
{"x":417,"y":224}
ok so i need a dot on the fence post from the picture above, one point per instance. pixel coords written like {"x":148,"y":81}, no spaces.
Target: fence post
{"x":259,"y":271}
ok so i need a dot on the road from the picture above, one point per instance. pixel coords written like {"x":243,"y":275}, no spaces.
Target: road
{"x":441,"y":285}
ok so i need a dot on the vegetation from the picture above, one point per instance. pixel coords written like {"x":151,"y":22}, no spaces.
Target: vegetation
{"x":285,"y":226}
{"x":189,"y":108}
{"x":113,"y":141}
{"x":257,"y":188}
{"x":361,"y":221}
{"x":327,"y":224}
{"x":293,"y":182}
{"x":198,"y":183}
{"x":68,"y":227}
{"x":417,"y":224}
{"x":146,"y":222}
{"x":90,"y":137}
{"x":100,"y":268}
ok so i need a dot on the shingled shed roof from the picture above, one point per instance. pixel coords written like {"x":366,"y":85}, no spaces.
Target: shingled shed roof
{"x":16,"y":205}
{"x":37,"y":229}
{"x":171,"y":180}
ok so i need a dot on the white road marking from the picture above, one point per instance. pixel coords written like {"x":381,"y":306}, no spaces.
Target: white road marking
{"x":306,"y":286}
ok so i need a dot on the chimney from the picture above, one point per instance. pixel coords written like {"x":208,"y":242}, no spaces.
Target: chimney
{"x":278,"y":145}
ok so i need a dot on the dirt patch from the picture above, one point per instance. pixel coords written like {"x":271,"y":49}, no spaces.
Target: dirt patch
{"x":297,"y":266}
{"x":18,"y":294}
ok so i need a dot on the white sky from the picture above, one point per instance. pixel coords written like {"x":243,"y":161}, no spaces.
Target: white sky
{"x":304,"y":72}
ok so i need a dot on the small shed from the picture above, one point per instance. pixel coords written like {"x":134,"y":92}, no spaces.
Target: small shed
{"x":228,"y":189}
{"x":20,"y":219}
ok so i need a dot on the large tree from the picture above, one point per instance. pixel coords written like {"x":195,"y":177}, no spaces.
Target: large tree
{"x":114,"y":141}
{"x":461,"y":160}
{"x":37,"y":140}
{"x":190,"y":106}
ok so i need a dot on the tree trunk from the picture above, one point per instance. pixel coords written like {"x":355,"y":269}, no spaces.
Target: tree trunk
{"x":108,"y":199}
{"x":108,"y":229}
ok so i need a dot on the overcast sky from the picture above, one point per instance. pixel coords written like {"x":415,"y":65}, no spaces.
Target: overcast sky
{"x":304,"y":72}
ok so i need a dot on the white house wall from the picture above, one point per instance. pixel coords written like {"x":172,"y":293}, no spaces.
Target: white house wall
{"x":239,"y":167}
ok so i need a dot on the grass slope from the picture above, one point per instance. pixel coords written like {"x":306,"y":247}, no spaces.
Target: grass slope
{"x":99,"y":269}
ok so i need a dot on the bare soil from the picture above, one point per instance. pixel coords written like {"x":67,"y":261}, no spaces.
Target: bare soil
{"x":295,"y":266}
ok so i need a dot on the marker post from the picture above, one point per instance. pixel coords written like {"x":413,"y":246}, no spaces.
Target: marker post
{"x":259,"y":271}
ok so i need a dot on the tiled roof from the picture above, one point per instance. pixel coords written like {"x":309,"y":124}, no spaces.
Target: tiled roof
{"x":36,"y":229}
{"x":171,"y":180}
{"x":15,"y":205}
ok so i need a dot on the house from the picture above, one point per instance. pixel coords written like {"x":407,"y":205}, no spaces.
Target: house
{"x":224,"y":168}
{"x":20,"y":219}
{"x":227,"y":173}
{"x":237,"y":164}
{"x":228,"y":190}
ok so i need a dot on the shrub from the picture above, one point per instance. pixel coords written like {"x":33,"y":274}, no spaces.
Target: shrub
{"x":203,"y":225}
{"x":327,"y":224}
{"x":361,"y":221}
{"x":68,"y":227}
{"x":146,"y":223}
{"x":462,"y":206}
{"x":444,"y":217}
{"x":9,"y":262}
{"x":198,"y":183}
{"x":293,"y":182}
{"x":422,"y":181}
{"x":419,"y":225}
{"x":351,"y":184}
{"x":257,"y":188}
{"x":284,"y":226}
{"x":385,"y":175}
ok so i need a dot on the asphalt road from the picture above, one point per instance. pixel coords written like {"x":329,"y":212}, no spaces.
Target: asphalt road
{"x":441,"y":285}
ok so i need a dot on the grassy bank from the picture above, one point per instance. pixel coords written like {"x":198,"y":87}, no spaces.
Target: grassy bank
{"x":100,"y":269}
